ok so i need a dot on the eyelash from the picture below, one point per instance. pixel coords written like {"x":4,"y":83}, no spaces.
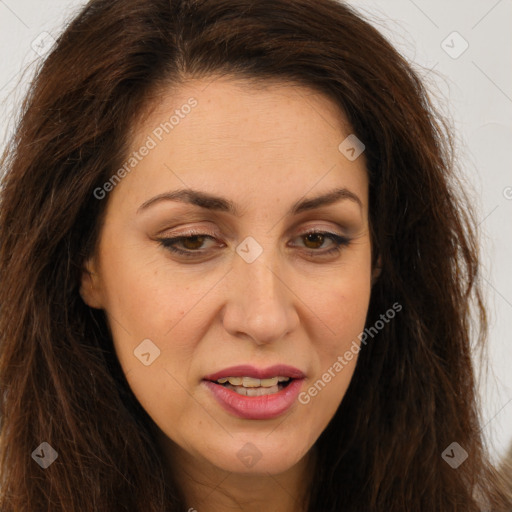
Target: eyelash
{"x":169,"y":243}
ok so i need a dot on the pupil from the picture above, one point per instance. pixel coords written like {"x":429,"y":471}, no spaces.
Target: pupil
{"x":312,"y":236}
{"x":192,"y":242}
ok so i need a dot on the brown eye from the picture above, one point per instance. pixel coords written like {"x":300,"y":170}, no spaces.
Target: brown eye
{"x":315,"y":239}
{"x":193,"y":243}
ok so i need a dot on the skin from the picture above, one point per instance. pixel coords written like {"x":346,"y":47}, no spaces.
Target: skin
{"x":264,"y":149}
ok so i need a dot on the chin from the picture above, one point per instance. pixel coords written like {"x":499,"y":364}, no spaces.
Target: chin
{"x":254,"y":457}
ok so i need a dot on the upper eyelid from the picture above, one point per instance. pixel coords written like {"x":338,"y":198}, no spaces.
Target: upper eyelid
{"x":213,"y":234}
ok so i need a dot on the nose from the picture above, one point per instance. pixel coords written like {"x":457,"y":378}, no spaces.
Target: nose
{"x":260,"y":300}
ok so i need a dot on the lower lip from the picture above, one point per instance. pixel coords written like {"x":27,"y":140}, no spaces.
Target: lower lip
{"x":256,"y":407}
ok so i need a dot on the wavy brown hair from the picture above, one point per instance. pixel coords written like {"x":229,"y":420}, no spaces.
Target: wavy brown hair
{"x":413,"y":390}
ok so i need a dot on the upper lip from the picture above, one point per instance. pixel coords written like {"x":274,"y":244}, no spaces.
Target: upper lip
{"x":246,"y":370}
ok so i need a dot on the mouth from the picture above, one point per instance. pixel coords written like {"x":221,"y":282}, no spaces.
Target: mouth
{"x":251,"y":393}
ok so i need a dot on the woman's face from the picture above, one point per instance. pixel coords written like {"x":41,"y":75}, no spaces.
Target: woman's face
{"x":252,"y":299}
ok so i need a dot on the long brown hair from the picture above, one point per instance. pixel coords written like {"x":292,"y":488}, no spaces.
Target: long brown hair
{"x":413,"y":391}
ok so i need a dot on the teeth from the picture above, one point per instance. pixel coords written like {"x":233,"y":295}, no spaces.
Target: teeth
{"x":261,"y":391}
{"x":251,"y":383}
{"x":241,"y":390}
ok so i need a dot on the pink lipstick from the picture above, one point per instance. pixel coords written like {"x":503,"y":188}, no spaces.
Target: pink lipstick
{"x":253,"y":393}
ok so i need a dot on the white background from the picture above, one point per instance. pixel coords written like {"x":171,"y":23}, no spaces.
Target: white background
{"x":473,"y":88}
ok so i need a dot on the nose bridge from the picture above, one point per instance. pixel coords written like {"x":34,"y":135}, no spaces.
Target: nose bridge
{"x":260,"y":303}
{"x":261,"y":282}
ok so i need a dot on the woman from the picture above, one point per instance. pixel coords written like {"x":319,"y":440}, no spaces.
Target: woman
{"x":236,"y":272}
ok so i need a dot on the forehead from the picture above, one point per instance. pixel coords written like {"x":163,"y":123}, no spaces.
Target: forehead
{"x":238,"y":109}
{"x":227,"y":133}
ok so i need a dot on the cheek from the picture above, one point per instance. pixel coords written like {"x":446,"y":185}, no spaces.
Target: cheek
{"x":341,"y":305}
{"x":155,"y":317}
{"x":145,"y":298}
{"x":343,"y":316}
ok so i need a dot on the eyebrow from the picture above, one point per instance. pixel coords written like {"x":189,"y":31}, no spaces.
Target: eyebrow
{"x":221,"y":204}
